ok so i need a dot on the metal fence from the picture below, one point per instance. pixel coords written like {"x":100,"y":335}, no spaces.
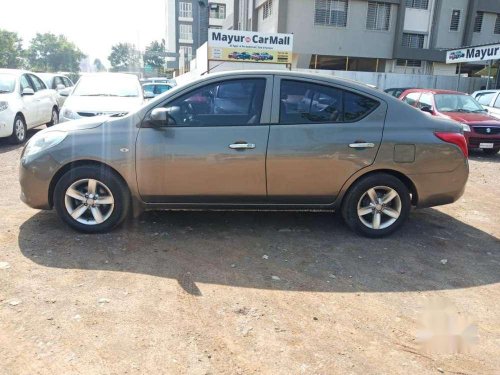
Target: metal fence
{"x":387,"y":80}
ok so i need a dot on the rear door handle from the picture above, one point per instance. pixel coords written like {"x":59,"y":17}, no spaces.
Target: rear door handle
{"x":362,"y":145}
{"x":241,"y":146}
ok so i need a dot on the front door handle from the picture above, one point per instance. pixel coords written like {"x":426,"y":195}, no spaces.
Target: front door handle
{"x":241,"y":146}
{"x":362,"y":145}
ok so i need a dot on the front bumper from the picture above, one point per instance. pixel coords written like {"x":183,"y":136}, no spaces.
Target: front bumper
{"x":35,"y":175}
{"x":475,"y":139}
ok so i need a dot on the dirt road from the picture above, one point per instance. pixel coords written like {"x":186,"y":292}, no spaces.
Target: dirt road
{"x":251,"y":293}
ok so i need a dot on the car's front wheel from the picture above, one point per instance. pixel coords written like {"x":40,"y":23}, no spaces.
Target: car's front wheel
{"x":376,"y":205}
{"x":91,"y":199}
{"x":19,"y":131}
{"x":490,"y":151}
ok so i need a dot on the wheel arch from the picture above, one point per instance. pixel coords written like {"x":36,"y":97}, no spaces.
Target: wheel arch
{"x":399,"y":175}
{"x":79,"y":163}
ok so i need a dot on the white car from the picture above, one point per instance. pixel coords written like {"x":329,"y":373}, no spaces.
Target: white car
{"x":57,"y":82}
{"x":490,"y":100}
{"x":25,"y":103}
{"x":102,"y":94}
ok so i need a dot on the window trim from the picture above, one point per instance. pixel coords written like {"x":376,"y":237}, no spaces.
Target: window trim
{"x":460,"y":11}
{"x":277,"y":98}
{"x":175,"y":94}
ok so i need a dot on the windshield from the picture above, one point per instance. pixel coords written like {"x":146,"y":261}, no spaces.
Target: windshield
{"x":7,"y":83}
{"x":457,"y":103}
{"x":107,"y":86}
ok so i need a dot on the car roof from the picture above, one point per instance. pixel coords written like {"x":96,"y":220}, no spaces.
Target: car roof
{"x":16,"y":72}
{"x":296,"y":74}
{"x":107,"y":74}
{"x":434,"y":91}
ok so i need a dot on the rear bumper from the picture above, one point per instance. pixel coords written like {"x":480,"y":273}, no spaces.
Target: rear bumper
{"x":435,"y":189}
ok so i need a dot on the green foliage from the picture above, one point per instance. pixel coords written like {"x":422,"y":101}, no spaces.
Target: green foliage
{"x":53,"y":53}
{"x":154,"y":55}
{"x":11,"y":50}
{"x":124,"y":57}
{"x":99,"y":66}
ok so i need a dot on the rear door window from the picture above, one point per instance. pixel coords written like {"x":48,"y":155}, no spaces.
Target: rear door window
{"x":485,"y":98}
{"x":497,"y":102}
{"x":303,"y":102}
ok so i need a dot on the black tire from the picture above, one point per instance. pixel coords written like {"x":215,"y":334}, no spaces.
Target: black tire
{"x":103,"y":175}
{"x":358,"y":190}
{"x":490,"y":151}
{"x":54,"y":117}
{"x":18,"y":137}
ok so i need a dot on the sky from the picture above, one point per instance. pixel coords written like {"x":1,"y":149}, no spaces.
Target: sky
{"x":93,"y":25}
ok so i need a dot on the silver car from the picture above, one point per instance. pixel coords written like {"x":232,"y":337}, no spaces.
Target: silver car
{"x":250,"y":140}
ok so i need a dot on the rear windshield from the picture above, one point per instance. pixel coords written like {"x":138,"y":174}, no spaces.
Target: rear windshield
{"x":107,"y":86}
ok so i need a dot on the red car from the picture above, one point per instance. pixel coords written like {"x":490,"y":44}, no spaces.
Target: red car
{"x":480,"y":129}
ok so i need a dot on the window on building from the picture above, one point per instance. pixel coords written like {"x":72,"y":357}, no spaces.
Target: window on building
{"x":496,"y":30}
{"x":413,"y":40}
{"x":188,"y":52}
{"x":217,"y":11}
{"x":409,"y":63}
{"x":331,"y":12}
{"x":185,"y":9}
{"x":267,"y":9}
{"x":185,"y":32}
{"x":455,"y":20}
{"x":379,"y":15}
{"x":307,"y":103}
{"x":478,"y":22}
{"x":418,"y":4}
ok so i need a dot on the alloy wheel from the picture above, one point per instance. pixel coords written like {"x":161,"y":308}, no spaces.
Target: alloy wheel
{"x":379,"y":207}
{"x":19,"y":130}
{"x":89,"y":201}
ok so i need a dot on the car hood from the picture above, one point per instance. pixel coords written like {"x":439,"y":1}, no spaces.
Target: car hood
{"x":104,"y":104}
{"x":81,"y":124}
{"x":472,"y":118}
{"x":6,"y":96}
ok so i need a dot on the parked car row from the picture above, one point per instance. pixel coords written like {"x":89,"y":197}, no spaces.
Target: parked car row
{"x":256,"y":56}
{"x":479,"y":124}
{"x":25,"y":102}
{"x":246,"y":140}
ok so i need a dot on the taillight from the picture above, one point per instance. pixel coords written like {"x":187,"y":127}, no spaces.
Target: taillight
{"x":455,"y":138}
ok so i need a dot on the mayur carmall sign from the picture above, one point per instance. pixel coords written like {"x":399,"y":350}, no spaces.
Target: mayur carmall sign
{"x":247,"y":46}
{"x":470,"y":54}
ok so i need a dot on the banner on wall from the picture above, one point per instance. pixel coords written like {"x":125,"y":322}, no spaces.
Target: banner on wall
{"x":473,"y":54}
{"x":248,"y":46}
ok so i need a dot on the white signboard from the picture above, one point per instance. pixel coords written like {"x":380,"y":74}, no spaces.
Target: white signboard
{"x":485,"y":53}
{"x":248,"y":46}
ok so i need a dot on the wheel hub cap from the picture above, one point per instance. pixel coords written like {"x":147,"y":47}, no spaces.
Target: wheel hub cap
{"x":379,"y":207}
{"x":89,"y":201}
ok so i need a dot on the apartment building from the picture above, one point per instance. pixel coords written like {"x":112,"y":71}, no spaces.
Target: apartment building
{"x":187,"y":23}
{"x":401,"y":36}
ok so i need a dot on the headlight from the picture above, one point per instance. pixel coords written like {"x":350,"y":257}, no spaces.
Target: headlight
{"x":465,"y":127}
{"x":4,"y":106}
{"x":69,"y":114}
{"x":43,"y":141}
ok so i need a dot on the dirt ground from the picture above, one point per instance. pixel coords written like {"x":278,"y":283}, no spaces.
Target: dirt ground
{"x":252,"y":293}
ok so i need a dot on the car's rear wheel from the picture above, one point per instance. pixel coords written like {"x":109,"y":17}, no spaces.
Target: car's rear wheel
{"x":376,"y":205}
{"x":91,"y":199}
{"x":490,"y":151}
{"x":54,"y":118}
{"x":19,"y":131}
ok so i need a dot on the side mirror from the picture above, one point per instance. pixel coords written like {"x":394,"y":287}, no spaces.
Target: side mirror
{"x":65,"y":92}
{"x":28,"y":91}
{"x":160,"y":117}
{"x":60,"y":87}
{"x":427,"y":109}
{"x":148,"y":94}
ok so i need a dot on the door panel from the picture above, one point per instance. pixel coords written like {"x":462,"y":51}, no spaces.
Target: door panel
{"x":30,"y":105}
{"x":309,"y":162}
{"x":43,"y":98}
{"x":196,"y":164}
{"x":208,"y":152}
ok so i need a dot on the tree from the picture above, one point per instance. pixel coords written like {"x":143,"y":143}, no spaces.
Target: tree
{"x":49,"y":52}
{"x":11,"y":50}
{"x":154,"y":55}
{"x":99,"y":65}
{"x":124,"y":57}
